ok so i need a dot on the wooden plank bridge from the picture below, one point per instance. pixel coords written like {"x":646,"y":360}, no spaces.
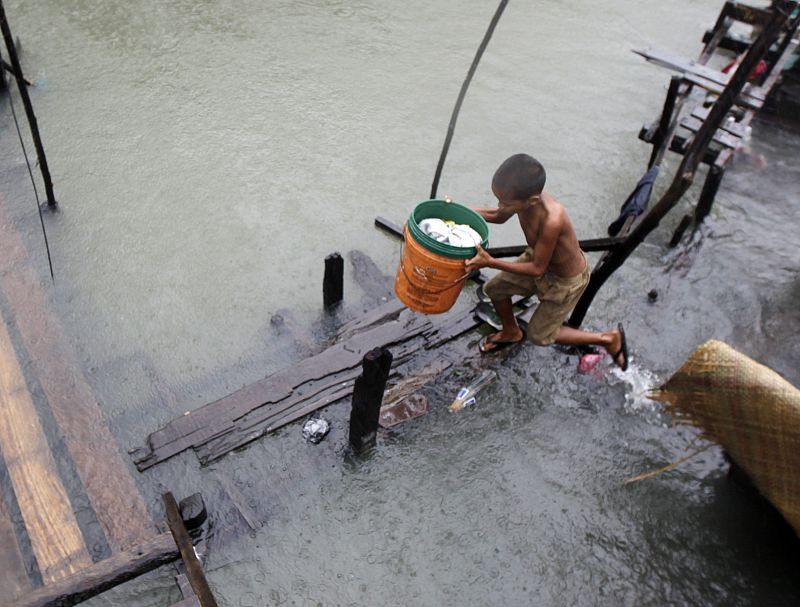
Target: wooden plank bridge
{"x":72,"y":521}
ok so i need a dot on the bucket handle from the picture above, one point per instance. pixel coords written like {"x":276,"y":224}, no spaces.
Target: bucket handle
{"x":422,"y":275}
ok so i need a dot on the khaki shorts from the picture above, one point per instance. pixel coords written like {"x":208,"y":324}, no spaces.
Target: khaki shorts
{"x":557,"y":296}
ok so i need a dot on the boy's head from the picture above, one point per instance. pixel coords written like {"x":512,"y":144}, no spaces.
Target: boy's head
{"x":519,"y":178}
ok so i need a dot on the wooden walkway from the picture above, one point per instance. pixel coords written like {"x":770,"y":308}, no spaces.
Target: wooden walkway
{"x":56,"y":450}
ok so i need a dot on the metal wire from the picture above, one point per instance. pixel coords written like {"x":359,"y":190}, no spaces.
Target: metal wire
{"x":33,"y":183}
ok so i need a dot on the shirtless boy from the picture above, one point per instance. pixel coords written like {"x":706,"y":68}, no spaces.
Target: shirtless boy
{"x":553,"y":267}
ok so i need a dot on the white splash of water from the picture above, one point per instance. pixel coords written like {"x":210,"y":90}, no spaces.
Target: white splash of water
{"x":639,"y":382}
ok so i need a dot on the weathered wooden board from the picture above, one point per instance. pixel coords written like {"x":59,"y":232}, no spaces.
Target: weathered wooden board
{"x":745,"y":99}
{"x":101,"y":576}
{"x":13,"y":577}
{"x":442,"y":328}
{"x":722,"y":138}
{"x":738,"y":129}
{"x":52,"y":528}
{"x":272,"y":396}
{"x":109,"y":486}
{"x":682,"y":64}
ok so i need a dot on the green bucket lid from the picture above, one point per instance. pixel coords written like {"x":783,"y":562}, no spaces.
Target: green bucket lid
{"x":448,"y":211}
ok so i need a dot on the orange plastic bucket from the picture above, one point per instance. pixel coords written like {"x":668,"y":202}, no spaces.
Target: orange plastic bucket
{"x":427,"y":282}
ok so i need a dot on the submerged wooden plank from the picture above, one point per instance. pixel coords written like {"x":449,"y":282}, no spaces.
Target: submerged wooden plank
{"x":106,"y":574}
{"x":442,"y":329}
{"x":216,"y":419}
{"x":109,"y":486}
{"x":13,"y":577}
{"x":52,"y":528}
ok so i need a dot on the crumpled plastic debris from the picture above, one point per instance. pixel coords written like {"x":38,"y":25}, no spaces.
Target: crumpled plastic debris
{"x":588,"y":364}
{"x":314,"y":430}
{"x":449,"y":232}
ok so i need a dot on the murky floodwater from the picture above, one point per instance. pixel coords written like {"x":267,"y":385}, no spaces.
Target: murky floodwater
{"x":208,"y":155}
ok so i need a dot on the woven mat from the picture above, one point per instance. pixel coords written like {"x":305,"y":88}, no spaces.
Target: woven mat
{"x":748,"y":409}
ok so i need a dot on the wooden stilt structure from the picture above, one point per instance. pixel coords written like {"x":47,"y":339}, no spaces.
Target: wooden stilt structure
{"x":734,"y":96}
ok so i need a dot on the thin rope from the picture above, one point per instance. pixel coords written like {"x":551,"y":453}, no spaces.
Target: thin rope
{"x":451,"y":127}
{"x":33,"y":183}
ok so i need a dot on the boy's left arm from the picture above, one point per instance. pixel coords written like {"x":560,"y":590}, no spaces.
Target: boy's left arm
{"x":542,"y":252}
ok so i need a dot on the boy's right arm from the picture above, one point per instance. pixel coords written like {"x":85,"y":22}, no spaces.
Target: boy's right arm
{"x":493,"y":215}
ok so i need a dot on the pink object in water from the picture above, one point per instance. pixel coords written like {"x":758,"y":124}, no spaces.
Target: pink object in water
{"x":588,"y":362}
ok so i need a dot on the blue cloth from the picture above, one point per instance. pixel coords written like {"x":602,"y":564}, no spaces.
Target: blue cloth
{"x":636,"y":203}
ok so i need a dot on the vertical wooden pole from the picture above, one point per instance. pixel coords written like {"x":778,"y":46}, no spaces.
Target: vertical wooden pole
{"x":194,"y":570}
{"x":708,"y":193}
{"x":367,"y":399}
{"x":663,"y":136}
{"x":691,"y":160}
{"x":26,"y":101}
{"x":333,"y":282}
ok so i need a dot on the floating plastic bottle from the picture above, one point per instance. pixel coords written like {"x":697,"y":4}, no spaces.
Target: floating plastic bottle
{"x":466,"y":395}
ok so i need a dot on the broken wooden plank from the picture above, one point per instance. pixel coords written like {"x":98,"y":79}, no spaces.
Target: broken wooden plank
{"x":377,"y":286}
{"x":383,"y":313}
{"x":442,"y":329}
{"x":194,"y":570}
{"x":216,"y":419}
{"x":51,"y":525}
{"x":109,"y":486}
{"x":13,"y":576}
{"x":227,"y":434}
{"x":105,"y":574}
{"x":684,"y":65}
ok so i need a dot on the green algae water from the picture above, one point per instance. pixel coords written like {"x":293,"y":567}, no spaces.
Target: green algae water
{"x":207,"y":156}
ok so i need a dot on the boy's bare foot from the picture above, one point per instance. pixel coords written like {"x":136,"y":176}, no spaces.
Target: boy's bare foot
{"x":500,"y":340}
{"x":618,"y":348}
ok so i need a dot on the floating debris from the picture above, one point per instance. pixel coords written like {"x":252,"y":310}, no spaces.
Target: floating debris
{"x":314,"y":430}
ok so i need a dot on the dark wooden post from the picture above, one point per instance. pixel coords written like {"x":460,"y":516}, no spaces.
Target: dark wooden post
{"x":708,"y":193}
{"x":333,"y":282}
{"x":694,"y":155}
{"x":367,"y":398}
{"x":26,"y":101}
{"x":663,"y":134}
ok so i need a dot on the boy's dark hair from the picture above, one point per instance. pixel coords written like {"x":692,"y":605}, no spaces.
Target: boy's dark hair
{"x":521,"y":175}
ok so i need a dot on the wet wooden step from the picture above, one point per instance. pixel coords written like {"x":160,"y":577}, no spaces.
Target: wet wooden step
{"x":721,"y":137}
{"x":101,"y":467}
{"x":13,"y":576}
{"x":51,"y":525}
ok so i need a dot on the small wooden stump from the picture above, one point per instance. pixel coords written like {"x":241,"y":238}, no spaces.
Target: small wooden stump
{"x":367,"y":399}
{"x":333,"y":282}
{"x":193,"y":511}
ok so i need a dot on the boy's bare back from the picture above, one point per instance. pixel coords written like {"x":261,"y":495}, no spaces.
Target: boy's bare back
{"x":549,"y":232}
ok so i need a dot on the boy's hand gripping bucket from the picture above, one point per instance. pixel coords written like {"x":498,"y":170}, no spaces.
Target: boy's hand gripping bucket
{"x":431,"y":273}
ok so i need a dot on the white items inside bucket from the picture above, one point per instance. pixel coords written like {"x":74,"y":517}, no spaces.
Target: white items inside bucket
{"x":448,"y":232}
